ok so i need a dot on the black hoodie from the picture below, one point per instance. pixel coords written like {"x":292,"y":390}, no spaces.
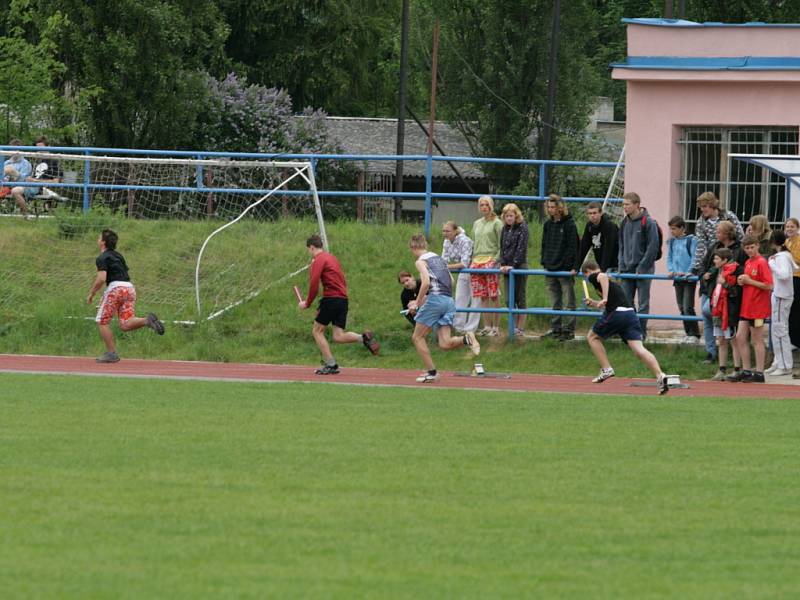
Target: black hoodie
{"x":603,"y":239}
{"x":560,"y":245}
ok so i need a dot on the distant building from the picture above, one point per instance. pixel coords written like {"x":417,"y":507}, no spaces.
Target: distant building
{"x":696,"y":93}
{"x":374,"y":136}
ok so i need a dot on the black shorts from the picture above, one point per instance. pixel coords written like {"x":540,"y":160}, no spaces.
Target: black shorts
{"x":624,"y":323}
{"x":332,"y":310}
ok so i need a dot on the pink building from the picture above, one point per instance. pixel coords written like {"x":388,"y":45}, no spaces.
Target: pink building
{"x":697,"y":92}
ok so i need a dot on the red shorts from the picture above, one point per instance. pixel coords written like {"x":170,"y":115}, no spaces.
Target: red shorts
{"x":484,"y":286}
{"x":117,"y":300}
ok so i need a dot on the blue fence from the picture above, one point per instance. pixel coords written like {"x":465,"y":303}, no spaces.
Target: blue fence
{"x":428,"y":195}
{"x":510,"y":310}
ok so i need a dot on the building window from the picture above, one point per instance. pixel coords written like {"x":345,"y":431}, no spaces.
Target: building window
{"x":743,"y":188}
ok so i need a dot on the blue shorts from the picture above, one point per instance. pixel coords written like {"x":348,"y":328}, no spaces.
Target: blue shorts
{"x":624,"y":323}
{"x":437,"y":310}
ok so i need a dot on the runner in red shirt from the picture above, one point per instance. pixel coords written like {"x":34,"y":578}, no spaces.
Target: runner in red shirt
{"x":332,"y":307}
{"x":756,"y":282}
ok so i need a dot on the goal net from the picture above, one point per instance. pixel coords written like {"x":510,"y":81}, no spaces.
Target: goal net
{"x":200,"y":236}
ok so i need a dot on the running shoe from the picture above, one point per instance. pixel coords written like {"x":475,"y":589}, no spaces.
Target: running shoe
{"x":154,"y":324}
{"x":370,"y":342}
{"x":327,"y":370}
{"x":472,"y":343}
{"x":108,"y":357}
{"x":604,"y":374}
{"x":663,"y":384}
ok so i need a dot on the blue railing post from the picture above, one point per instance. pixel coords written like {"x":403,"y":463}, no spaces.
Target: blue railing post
{"x":511,"y":295}
{"x":542,"y":177}
{"x":428,"y":191}
{"x":87,"y":179}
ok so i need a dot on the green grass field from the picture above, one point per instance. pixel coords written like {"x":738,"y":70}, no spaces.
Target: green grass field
{"x":145,"y":488}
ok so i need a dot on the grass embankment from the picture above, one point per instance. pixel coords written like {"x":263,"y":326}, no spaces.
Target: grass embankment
{"x":207,"y":489}
{"x":268,"y":328}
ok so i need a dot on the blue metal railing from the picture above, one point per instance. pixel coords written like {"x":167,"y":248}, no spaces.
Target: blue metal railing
{"x":510,"y":310}
{"x":428,"y":195}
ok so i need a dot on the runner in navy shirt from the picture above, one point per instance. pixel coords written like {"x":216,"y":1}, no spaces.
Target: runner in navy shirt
{"x":618,"y":318}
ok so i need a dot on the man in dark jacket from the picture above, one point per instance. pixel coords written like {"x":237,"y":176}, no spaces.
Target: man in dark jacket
{"x":639,"y":244}
{"x":601,"y":235}
{"x":560,"y":253}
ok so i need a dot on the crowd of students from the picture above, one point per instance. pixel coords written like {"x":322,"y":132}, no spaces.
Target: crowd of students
{"x":747,"y":280}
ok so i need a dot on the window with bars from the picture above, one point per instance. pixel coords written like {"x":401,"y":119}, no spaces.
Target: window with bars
{"x":743,"y":188}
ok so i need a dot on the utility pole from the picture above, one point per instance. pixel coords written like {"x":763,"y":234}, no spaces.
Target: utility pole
{"x":546,"y":144}
{"x":401,"y":112}
{"x":434,"y":67}
{"x":669,"y":5}
{"x":682,"y":9}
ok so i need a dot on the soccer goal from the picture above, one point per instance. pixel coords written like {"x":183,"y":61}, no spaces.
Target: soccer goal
{"x":200,"y":236}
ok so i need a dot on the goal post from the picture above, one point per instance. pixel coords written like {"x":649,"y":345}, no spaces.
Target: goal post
{"x":200,"y":235}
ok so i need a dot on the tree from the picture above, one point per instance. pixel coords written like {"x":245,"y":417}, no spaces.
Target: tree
{"x":334,"y":53}
{"x":493,"y":68}
{"x":136,"y":66}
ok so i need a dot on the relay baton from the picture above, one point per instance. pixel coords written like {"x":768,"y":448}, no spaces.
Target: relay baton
{"x":298,"y":294}
{"x":585,"y":289}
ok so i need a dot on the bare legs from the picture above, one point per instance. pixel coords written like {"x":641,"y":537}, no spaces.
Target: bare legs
{"x":340,"y":336}
{"x":744,"y":332}
{"x":446,"y":342}
{"x":636,"y":346}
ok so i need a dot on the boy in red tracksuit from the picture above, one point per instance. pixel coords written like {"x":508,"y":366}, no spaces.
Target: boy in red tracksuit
{"x":725,"y":301}
{"x":756,"y":282}
{"x":333,"y":306}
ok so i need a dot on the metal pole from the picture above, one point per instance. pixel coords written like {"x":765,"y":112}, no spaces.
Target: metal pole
{"x":434,"y":65}
{"x":550,"y":108}
{"x":511,"y":296}
{"x":682,"y":9}
{"x":401,"y":110}
{"x":441,"y":151}
{"x":669,"y":5}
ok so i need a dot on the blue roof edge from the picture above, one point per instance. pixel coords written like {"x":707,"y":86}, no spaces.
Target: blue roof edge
{"x":709,"y":63}
{"x":682,"y":23}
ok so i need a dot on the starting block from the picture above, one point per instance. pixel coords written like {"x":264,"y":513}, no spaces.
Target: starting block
{"x":673,"y":381}
{"x":479,"y":371}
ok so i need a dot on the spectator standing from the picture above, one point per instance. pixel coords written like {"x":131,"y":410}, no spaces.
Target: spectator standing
{"x":792,"y":230}
{"x":726,"y":238}
{"x":457,"y":253}
{"x":560,"y":253}
{"x":756,"y":282}
{"x":639,"y":245}
{"x":782,"y":266}
{"x":601,"y":236}
{"x":725,"y":302}
{"x":486,"y":255}
{"x":760,"y":229}
{"x":680,"y":253}
{"x":409,"y":293}
{"x":18,"y":169}
{"x":711,"y":213}
{"x":514,"y":255}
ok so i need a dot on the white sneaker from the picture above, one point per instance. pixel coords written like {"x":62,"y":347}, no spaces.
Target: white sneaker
{"x":493,"y":332}
{"x":472,"y":343}
{"x":691,"y":339}
{"x":780,"y":372}
{"x":772,"y":368}
{"x":604,"y":374}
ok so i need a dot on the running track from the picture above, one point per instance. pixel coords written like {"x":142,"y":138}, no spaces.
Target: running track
{"x":171,"y":369}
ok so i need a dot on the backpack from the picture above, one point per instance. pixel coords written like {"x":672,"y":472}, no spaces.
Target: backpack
{"x":659,"y":254}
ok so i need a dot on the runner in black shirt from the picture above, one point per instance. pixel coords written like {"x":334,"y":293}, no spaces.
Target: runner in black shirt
{"x":618,"y":318}
{"x":119,"y":297}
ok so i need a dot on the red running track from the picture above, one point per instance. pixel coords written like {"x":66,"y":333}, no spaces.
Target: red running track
{"x":173,"y":369}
